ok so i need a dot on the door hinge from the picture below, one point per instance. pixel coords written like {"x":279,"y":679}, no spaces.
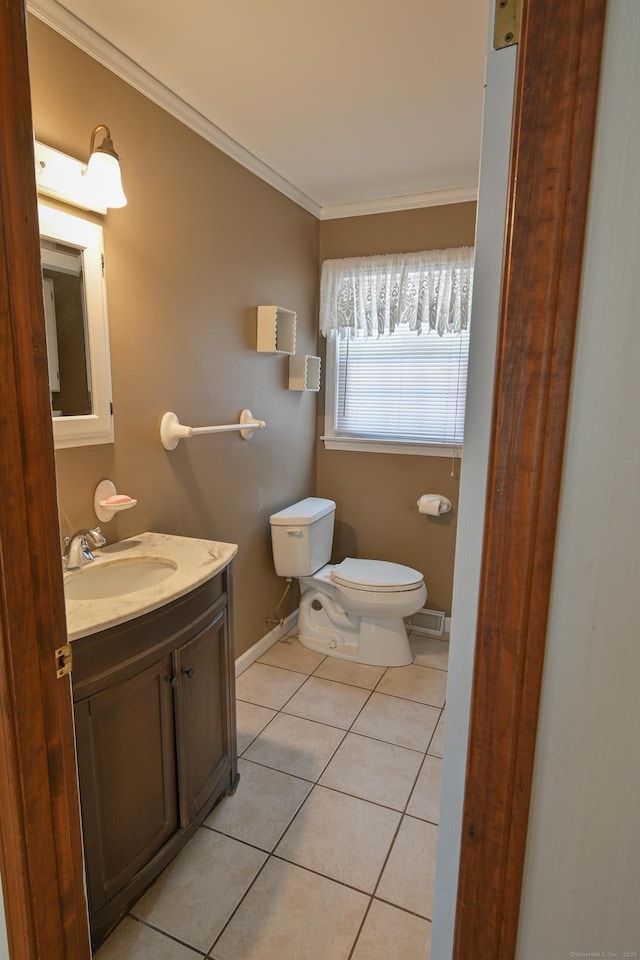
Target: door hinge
{"x":506,"y":25}
{"x":64,"y":660}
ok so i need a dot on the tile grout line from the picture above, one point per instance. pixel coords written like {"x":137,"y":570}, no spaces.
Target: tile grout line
{"x":403,"y":816}
{"x":346,"y":730}
{"x":403,"y":812}
{"x":164,"y":933}
{"x":238,"y":904}
{"x":382,"y":693}
{"x":316,"y":784}
{"x":271,"y":854}
{"x":360,"y":928}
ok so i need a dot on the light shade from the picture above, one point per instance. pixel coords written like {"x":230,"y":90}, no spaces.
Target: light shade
{"x":103,"y":176}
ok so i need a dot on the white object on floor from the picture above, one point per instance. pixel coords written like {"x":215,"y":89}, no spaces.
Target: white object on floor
{"x":352,"y":610}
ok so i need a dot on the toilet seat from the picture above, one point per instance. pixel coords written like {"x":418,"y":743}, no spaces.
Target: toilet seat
{"x":380,"y":576}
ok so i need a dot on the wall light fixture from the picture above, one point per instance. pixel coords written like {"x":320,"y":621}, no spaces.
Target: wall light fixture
{"x":94,"y":186}
{"x":103,"y":176}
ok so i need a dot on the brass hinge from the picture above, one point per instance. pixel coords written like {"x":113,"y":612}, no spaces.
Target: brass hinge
{"x":64,"y":660}
{"x":506,"y":26}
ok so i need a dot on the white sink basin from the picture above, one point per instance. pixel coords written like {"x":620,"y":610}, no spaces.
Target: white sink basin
{"x":132,"y":577}
{"x":116,"y":578}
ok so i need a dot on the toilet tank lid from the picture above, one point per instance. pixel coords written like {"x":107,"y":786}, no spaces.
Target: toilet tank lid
{"x":303,"y":512}
{"x":379,"y":574}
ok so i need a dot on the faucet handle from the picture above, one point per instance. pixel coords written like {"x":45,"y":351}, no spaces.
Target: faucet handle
{"x":96,"y":538}
{"x":77,"y":548}
{"x":77,"y":551}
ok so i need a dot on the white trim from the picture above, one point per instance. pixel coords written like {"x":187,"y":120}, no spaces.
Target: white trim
{"x":251,"y":655}
{"x":73,"y":29}
{"x":87,"y":237}
{"x":335,"y":442}
{"x":492,"y":206}
{"x":412,"y":201}
{"x":392,"y":446}
{"x":82,"y":36}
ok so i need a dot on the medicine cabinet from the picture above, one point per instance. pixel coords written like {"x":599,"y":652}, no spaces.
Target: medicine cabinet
{"x":77,"y":328}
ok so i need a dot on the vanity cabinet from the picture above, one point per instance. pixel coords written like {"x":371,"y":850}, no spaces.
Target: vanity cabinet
{"x":127,"y":772}
{"x":156,"y":741}
{"x":201,"y":717}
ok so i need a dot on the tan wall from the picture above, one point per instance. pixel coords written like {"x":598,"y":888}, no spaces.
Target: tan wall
{"x":200,"y":244}
{"x":376,"y":494}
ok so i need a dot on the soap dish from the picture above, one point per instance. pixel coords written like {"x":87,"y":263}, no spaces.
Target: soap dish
{"x":107,"y":501}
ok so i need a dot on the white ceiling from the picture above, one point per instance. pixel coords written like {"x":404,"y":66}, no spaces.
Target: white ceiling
{"x":337,"y":103}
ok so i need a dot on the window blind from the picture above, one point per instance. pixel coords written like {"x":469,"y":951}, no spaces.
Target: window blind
{"x":402,"y":387}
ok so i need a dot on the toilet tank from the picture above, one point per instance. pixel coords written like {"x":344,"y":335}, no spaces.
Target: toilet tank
{"x":301,"y":536}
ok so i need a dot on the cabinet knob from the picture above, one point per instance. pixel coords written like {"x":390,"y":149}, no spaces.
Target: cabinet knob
{"x":172,"y":680}
{"x":189,"y":671}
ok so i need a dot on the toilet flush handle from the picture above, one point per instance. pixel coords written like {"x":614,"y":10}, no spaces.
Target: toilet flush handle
{"x":294,"y":532}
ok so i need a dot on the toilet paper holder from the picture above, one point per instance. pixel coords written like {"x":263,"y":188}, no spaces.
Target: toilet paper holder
{"x":433,"y":504}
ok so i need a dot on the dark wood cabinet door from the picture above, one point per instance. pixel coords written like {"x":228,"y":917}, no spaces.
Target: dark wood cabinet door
{"x":203,"y":714}
{"x":127,"y":773}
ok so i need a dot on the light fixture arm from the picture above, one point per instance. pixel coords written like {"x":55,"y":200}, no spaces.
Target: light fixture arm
{"x":107,"y":144}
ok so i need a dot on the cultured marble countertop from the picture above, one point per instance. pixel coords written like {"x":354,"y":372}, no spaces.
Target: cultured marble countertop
{"x":196,"y":561}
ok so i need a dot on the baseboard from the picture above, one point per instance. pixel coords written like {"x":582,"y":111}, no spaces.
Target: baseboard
{"x":251,"y":655}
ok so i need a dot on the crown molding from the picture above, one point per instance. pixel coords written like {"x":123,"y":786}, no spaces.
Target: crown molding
{"x":412,"y":201}
{"x":77,"y":32}
{"x":82,"y":36}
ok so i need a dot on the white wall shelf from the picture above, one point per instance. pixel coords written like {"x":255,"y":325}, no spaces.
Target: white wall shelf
{"x":304,"y":372}
{"x":276,"y":330}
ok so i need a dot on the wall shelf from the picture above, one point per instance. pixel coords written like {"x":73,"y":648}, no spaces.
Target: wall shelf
{"x":304,"y":372}
{"x":276,"y":330}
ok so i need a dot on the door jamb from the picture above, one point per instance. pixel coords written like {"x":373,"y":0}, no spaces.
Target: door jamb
{"x":40,"y":840}
{"x":557,"y":74}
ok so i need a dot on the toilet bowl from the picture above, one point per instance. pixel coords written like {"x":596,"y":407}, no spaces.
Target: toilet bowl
{"x":352,"y":610}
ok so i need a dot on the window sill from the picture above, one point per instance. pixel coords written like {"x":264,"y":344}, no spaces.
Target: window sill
{"x":392,"y":446}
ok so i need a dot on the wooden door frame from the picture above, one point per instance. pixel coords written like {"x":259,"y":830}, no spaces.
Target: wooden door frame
{"x":557,"y":75}
{"x":40,"y":841}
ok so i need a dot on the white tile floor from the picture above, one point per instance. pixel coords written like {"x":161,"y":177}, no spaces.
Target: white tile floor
{"x":327,"y":849}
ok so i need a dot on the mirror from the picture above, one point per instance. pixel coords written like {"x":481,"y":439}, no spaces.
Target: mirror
{"x":72,"y":254}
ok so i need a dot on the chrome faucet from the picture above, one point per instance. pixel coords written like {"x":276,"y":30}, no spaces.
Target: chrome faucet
{"x":77,"y":549}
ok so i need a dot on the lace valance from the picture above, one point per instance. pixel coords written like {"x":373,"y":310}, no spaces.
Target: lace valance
{"x":370,"y":296}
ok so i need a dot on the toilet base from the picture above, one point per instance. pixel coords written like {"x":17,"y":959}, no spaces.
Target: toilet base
{"x":329,"y":630}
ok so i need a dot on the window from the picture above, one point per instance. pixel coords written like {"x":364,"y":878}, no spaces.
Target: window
{"x":402,"y":390}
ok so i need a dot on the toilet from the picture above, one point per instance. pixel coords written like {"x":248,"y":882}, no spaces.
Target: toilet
{"x":353,"y":610}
